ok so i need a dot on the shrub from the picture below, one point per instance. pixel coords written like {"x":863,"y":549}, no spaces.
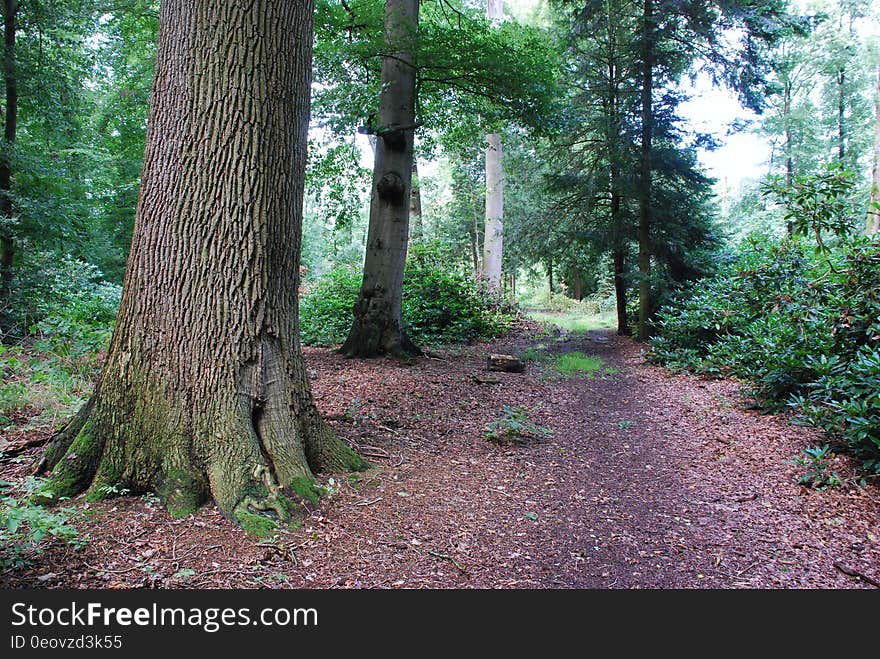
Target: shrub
{"x":440,"y":304}
{"x":64,"y":301}
{"x":24,"y":524}
{"x":801,"y":325}
{"x":325,"y":309}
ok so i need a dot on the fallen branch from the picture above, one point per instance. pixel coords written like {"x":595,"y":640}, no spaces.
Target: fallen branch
{"x":855,"y":573}
{"x":11,"y":449}
{"x":450,"y":559}
{"x":373,"y":452}
{"x":418,"y":549}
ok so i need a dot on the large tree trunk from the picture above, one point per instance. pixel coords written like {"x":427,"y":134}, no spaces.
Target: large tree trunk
{"x":204,"y":391}
{"x":493,"y":241}
{"x":873,"y":224}
{"x":378,"y":326}
{"x":646,"y":170}
{"x":7,"y":243}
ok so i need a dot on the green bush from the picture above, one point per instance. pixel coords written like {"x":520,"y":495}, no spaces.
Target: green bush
{"x":325,"y":309}
{"x":440,"y":304}
{"x":64,"y":301}
{"x":801,"y":325}
{"x":24,"y":524}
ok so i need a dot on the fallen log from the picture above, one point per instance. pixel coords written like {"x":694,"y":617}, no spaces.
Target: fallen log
{"x":505,"y":363}
{"x":13,"y":448}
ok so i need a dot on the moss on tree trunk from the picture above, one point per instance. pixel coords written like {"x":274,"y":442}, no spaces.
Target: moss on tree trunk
{"x":204,"y":392}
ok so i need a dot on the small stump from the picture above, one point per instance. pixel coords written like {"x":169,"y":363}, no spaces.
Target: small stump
{"x":505,"y":363}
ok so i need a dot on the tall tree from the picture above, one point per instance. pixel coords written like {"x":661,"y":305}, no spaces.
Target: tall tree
{"x":377,"y":328}
{"x":493,"y":242}
{"x":648,"y":55}
{"x":10,"y":116}
{"x":873,"y":225}
{"x":204,"y":391}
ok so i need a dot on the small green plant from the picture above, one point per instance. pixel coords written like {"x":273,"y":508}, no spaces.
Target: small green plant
{"x":515,"y":427}
{"x":24,"y":525}
{"x":625,"y":425}
{"x":354,"y":412}
{"x":817,"y":462}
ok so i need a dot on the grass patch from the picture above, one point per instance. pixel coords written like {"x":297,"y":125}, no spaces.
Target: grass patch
{"x":577,"y":363}
{"x":42,"y":385}
{"x":574,"y":321}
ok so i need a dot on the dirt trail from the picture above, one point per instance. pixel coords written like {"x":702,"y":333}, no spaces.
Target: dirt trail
{"x":650,"y":480}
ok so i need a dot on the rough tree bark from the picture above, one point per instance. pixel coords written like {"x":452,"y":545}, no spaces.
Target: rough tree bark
{"x":493,"y":241}
{"x":646,"y":172}
{"x":377,"y":328}
{"x":614,"y":138}
{"x":7,"y":243}
{"x":204,"y":392}
{"x":873,"y":224}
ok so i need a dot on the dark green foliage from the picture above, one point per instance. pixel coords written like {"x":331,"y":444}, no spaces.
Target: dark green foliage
{"x":24,"y":525}
{"x":440,"y":304}
{"x":819,"y":202}
{"x":515,"y":427}
{"x":803,"y":328}
{"x":64,"y":301}
{"x":325,"y":309}
{"x":816,"y":460}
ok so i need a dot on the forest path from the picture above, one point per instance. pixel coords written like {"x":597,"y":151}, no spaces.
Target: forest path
{"x":650,"y":480}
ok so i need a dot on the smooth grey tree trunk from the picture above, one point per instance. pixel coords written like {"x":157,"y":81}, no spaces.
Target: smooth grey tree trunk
{"x":873,"y":224}
{"x":415,"y":205}
{"x":493,"y":241}
{"x":377,"y":328}
{"x":204,"y":392}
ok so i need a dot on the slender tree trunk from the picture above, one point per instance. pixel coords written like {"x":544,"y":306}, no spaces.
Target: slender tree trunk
{"x":415,"y":204}
{"x":474,"y":250}
{"x":7,"y":243}
{"x":493,"y":243}
{"x":646,"y":169}
{"x":550,"y":280}
{"x":789,"y":159}
{"x":378,"y":325}
{"x":576,"y":281}
{"x":873,"y":224}
{"x":841,"y":116}
{"x":204,"y":391}
{"x":616,"y":156}
{"x":620,"y":291}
